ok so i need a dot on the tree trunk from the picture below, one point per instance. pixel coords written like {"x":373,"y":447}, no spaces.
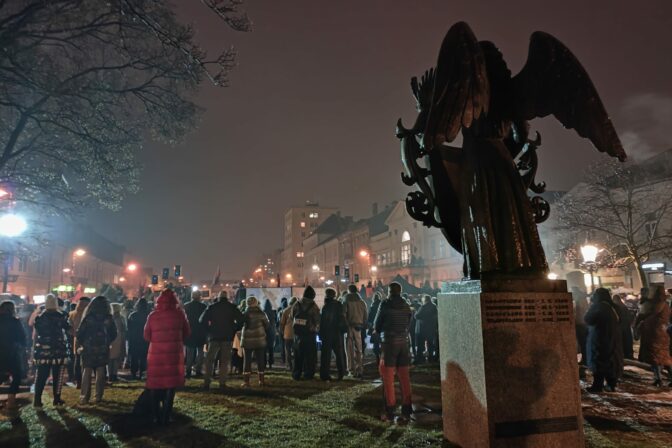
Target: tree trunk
{"x":642,"y":274}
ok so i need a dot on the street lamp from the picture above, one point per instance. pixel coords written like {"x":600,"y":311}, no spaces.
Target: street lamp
{"x":589,"y":254}
{"x":363,"y":253}
{"x":79,"y":252}
{"x":132,"y":267}
{"x":316,"y":268}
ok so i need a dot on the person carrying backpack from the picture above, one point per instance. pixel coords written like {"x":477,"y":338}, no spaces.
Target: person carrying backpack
{"x":306,"y":321}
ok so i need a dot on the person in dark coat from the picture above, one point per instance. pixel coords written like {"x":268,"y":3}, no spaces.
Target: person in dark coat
{"x":374,"y":337}
{"x":580,"y":327}
{"x":52,"y":352}
{"x":272,"y":317}
{"x":284,"y":303}
{"x":137,"y":346}
{"x":13,"y":342}
{"x":221,"y":320}
{"x":426,"y":327}
{"x":332,"y":329}
{"x":94,"y":336}
{"x":626,"y":318}
{"x":195,"y":342}
{"x":305,"y":316}
{"x":166,"y":330}
{"x":605,"y":344}
{"x":253,"y":340}
{"x":652,"y":322}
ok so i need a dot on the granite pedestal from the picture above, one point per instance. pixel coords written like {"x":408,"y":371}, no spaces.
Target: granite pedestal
{"x":509,"y":375}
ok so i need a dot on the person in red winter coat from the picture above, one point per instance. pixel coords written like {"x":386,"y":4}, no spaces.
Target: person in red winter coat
{"x":166,"y":329}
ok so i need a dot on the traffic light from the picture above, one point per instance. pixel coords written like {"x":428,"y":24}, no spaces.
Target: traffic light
{"x":165,"y":274}
{"x":356,"y":278}
{"x":155,"y":279}
{"x":346,"y":272}
{"x":337,"y":270}
{"x":178,"y":270}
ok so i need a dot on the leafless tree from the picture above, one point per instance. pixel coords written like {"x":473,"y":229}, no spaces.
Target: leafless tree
{"x":622,"y":208}
{"x":84,"y":82}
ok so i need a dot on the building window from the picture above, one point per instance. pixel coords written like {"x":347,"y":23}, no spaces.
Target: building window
{"x":299,"y":255}
{"x":443,"y":249}
{"x":303,"y":224}
{"x":314,"y":215}
{"x":433,"y":249}
{"x":23,"y":263}
{"x":405,"y":248}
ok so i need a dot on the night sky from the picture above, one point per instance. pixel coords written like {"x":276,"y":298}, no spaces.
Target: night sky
{"x":311,"y":109}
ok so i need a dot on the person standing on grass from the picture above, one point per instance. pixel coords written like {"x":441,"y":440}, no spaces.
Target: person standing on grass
{"x":305,"y":316}
{"x":221,"y":320}
{"x":166,"y":330}
{"x":272,"y":317}
{"x":253,"y":340}
{"x":426,"y":326}
{"x":356,"y":317}
{"x":12,"y":343}
{"x":194,"y":309}
{"x":392,"y":323}
{"x":137,"y":346}
{"x":374,"y":337}
{"x":118,"y":346}
{"x":75,"y":319}
{"x":332,"y":328}
{"x":287,"y":330}
{"x":51,"y":350}
{"x":94,"y":336}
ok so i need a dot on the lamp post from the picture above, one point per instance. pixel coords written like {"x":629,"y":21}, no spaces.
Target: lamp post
{"x":589,"y":254}
{"x":11,"y":226}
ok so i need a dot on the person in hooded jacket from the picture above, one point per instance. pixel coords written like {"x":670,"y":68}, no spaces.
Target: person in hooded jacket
{"x":253,"y":340}
{"x":356,"y":317}
{"x":94,"y":336}
{"x":272,"y":317}
{"x":166,"y":330}
{"x":74,"y":319}
{"x":332,"y":328}
{"x":137,"y":346}
{"x":305,"y":316}
{"x":287,"y":329}
{"x":118,"y":346}
{"x":51,"y":350}
{"x":195,"y":342}
{"x":651,"y":323}
{"x":604,"y":344}
{"x":12,"y":343}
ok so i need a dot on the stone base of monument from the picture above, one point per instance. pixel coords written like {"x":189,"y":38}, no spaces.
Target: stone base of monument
{"x":509,"y":375}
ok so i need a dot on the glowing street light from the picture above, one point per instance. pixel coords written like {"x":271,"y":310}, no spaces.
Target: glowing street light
{"x":66,"y":270}
{"x":132,"y":267}
{"x":272,"y":281}
{"x":288,"y":276}
{"x":374,"y":268}
{"x":589,"y":253}
{"x":80,"y":252}
{"x":316,"y":268}
{"x":363,"y":253}
{"x":12,"y":225}
{"x":552,"y":276}
{"x":122,"y":279}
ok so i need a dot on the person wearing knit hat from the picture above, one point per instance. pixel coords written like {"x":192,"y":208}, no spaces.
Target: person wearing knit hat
{"x":306,"y":321}
{"x":52,"y":352}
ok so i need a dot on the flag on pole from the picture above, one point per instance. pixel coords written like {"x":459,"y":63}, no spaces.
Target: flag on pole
{"x":215,"y":281}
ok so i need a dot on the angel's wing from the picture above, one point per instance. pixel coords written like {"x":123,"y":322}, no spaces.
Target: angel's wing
{"x":554,"y":82}
{"x":461,"y":89}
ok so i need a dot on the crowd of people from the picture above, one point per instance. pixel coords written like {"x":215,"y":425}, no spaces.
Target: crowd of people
{"x":164,"y":341}
{"x":607,"y":327}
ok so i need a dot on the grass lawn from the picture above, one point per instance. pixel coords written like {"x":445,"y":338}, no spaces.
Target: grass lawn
{"x":283,"y":414}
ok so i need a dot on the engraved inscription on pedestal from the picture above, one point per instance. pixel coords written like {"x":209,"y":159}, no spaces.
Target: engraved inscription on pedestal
{"x":527,"y":310}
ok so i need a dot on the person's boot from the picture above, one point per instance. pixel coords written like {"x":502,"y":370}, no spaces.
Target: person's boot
{"x":406,"y":411}
{"x":246,"y":380}
{"x":261,"y":379}
{"x":37,"y":403}
{"x":388,"y":415}
{"x":58,"y":401}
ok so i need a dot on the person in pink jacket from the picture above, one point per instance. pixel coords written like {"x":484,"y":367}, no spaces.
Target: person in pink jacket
{"x":166,"y":329}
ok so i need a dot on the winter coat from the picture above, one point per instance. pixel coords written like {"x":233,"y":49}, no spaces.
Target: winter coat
{"x":654,"y":347}
{"x":194,"y":310}
{"x":166,"y":329}
{"x":286,"y":324}
{"x":255,"y":328}
{"x":137,"y":346}
{"x":75,"y":319}
{"x":332,"y":320}
{"x":118,"y":346}
{"x":272,"y":316}
{"x":605,"y":344}
{"x":305,"y":310}
{"x":625,"y":322}
{"x":427,"y":320}
{"x":94,"y":336}
{"x":222,"y":319}
{"x":393,"y":320}
{"x":356,"y":313}
{"x":12,"y":344}
{"x":51,"y":344}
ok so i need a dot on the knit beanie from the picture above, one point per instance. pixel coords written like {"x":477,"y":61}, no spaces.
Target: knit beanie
{"x":309,"y":292}
{"x":51,"y":302}
{"x":252,"y":301}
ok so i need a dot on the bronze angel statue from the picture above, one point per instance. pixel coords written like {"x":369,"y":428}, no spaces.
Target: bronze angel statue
{"x":477,"y":194}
